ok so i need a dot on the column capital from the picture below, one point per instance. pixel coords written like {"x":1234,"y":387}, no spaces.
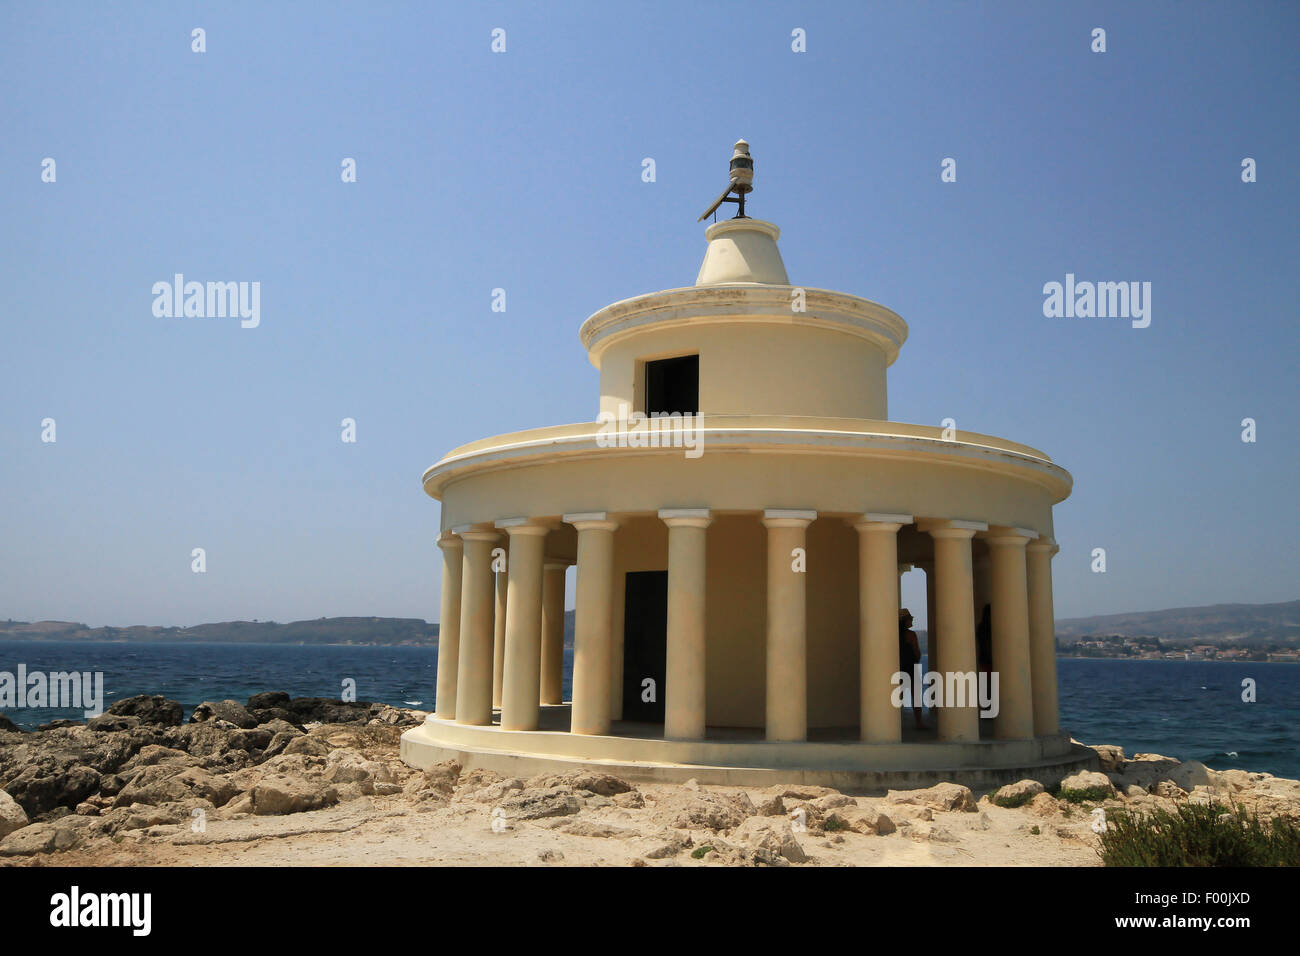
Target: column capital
{"x":590,"y":521}
{"x":787,"y":518}
{"x":888,"y":527}
{"x":482,"y":531}
{"x":883,"y":518}
{"x":449,"y":540}
{"x":686,"y":517}
{"x":951,"y":527}
{"x":514,"y":526}
{"x":1044,"y":543}
{"x":1006,"y":536}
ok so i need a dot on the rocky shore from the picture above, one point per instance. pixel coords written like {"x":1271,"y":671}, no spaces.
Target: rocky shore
{"x":281,"y":781}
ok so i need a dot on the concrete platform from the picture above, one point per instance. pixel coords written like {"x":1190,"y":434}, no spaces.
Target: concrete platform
{"x":740,"y":757}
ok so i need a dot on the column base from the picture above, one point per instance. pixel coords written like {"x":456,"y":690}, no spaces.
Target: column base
{"x":846,"y":765}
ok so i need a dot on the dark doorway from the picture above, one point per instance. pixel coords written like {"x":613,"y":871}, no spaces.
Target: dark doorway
{"x":645,"y":644}
{"x":673,"y":385}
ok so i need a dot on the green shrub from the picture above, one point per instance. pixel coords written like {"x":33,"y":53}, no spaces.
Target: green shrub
{"x":831,"y":824}
{"x":1012,"y":802}
{"x":1199,"y":835}
{"x":1089,"y":794}
{"x":699,"y":852}
{"x":1034,"y":830}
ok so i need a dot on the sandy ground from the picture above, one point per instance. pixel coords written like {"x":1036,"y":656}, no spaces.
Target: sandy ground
{"x":387,"y":831}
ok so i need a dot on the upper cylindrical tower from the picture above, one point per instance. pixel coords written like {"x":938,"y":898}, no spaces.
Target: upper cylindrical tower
{"x":744,"y":341}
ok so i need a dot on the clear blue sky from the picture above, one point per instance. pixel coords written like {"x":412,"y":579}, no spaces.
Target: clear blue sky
{"x":522,"y":170}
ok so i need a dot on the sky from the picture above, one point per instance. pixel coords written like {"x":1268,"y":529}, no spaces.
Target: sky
{"x":523,"y":170}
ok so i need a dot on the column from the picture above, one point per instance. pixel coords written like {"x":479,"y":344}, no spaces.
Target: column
{"x":552,"y":689}
{"x":684,"y":695}
{"x":474,"y":674}
{"x":617,"y":640}
{"x":931,"y":625}
{"x":499,"y":632}
{"x":902,"y":569}
{"x":522,"y":678}
{"x":787,"y":626}
{"x":954,"y":611}
{"x":982,"y":592}
{"x":878,"y":596}
{"x":449,"y":626}
{"x":1008,"y":583}
{"x":1042,"y":635}
{"x":592,"y":634}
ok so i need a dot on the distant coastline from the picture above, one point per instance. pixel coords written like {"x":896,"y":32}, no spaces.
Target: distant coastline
{"x":1219,"y":632}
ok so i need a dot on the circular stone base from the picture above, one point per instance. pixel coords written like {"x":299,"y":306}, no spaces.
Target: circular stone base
{"x":849,"y":766}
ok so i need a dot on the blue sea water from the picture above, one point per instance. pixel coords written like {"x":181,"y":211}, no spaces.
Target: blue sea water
{"x":1186,"y":709}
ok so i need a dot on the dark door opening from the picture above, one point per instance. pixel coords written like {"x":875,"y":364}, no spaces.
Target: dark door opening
{"x":645,"y":645}
{"x":673,"y":385}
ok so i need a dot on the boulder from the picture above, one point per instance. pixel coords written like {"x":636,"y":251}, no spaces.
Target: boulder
{"x":536,"y":804}
{"x":277,"y":726}
{"x":9,"y":726}
{"x":497,"y":791}
{"x":597,"y":829}
{"x":230,"y":711}
{"x":307,"y":744}
{"x":632,"y":800}
{"x":155,"y":754}
{"x":1086,"y":785}
{"x":397,"y":717}
{"x":1018,"y":793}
{"x":268,"y":699}
{"x":41,"y":838}
{"x":437,"y":781}
{"x":857,"y":820}
{"x":832,"y":801}
{"x":1192,"y":774}
{"x":256,"y":738}
{"x":60,"y":724}
{"x":1169,"y":790}
{"x":205,"y":739}
{"x":167,"y":782}
{"x":12,"y":815}
{"x":110,"y":723}
{"x":706,"y":810}
{"x":1112,"y":758}
{"x":38,"y":792}
{"x":942,"y":796}
{"x":605,"y":784}
{"x":770,"y":806}
{"x":279,"y":793}
{"x":1044,"y":805}
{"x":280,"y":742}
{"x":150,"y":708}
{"x":667,"y":843}
{"x":769,"y":839}
{"x":324,"y":710}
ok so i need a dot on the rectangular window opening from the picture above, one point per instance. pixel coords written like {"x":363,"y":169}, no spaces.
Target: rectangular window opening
{"x":673,"y":385}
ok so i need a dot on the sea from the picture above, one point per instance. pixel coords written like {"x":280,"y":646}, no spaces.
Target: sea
{"x":1192,"y":710}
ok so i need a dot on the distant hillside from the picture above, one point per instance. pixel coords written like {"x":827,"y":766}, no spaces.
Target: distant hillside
{"x":1219,"y":624}
{"x":1239,"y":625}
{"x":324,"y":630}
